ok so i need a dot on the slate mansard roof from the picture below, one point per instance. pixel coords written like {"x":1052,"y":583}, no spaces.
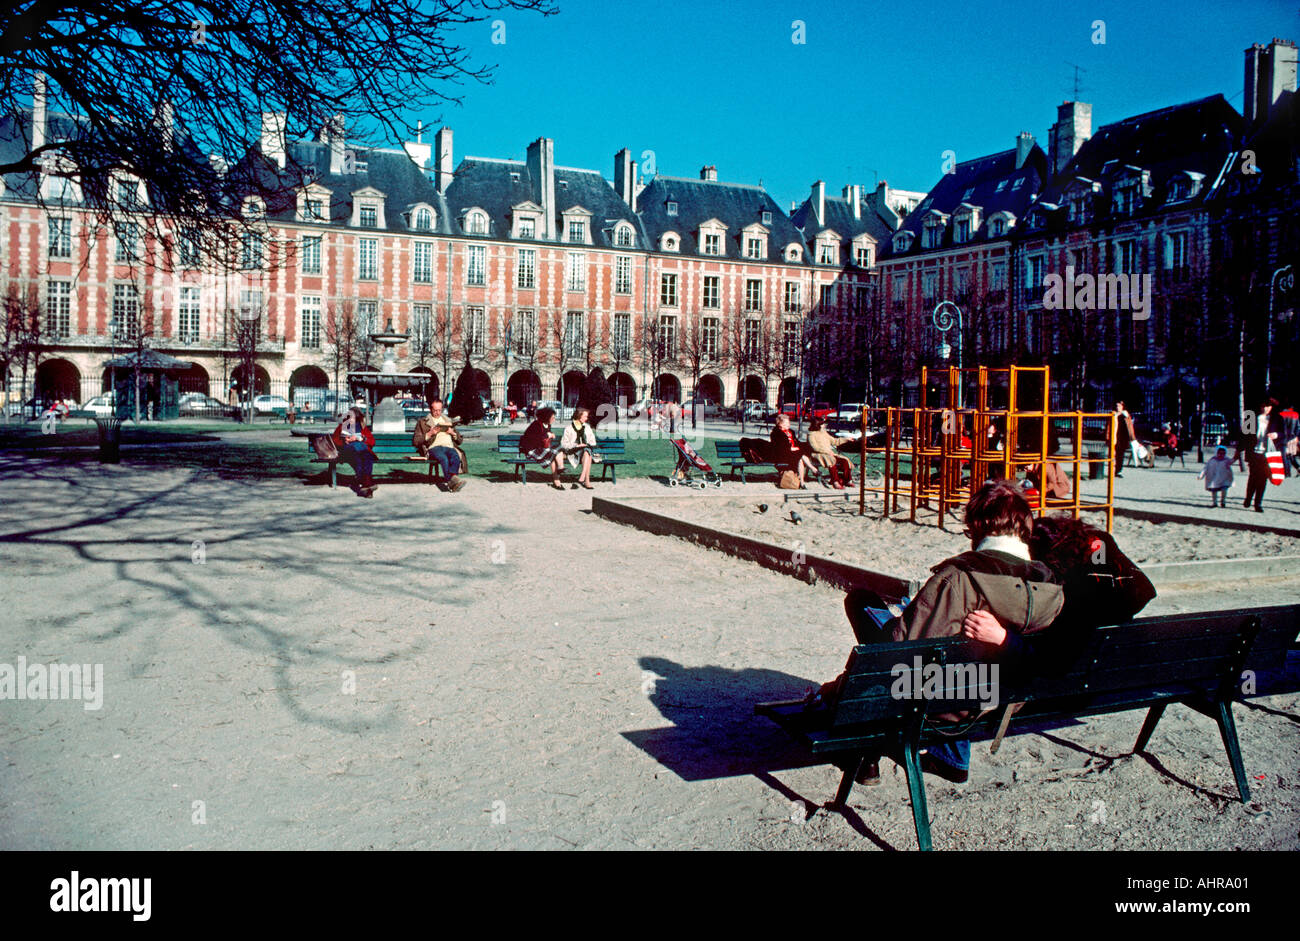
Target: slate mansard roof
{"x":495,"y":186}
{"x":838,"y":216}
{"x":735,"y":205}
{"x":1197,"y":137}
{"x":993,"y":183}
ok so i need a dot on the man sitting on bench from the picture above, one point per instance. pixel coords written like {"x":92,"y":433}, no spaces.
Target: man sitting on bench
{"x":996,"y":575}
{"x":433,"y":438}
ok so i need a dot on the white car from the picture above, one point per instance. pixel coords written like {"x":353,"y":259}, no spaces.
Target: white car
{"x":265,"y":404}
{"x":100,"y":405}
{"x":562,"y":412}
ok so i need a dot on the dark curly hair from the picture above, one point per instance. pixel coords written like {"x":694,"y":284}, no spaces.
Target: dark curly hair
{"x":1064,"y":544}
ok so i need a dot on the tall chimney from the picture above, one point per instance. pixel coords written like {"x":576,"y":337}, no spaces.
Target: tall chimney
{"x":709,"y":174}
{"x":442,"y":147}
{"x":38,"y":110}
{"x":853,"y":196}
{"x":272,"y":144}
{"x":1270,"y":70}
{"x":541,"y":166}
{"x":334,"y":133}
{"x":1071,"y":131}
{"x":1024,"y":144}
{"x":418,"y":150}
{"x":819,"y":202}
{"x":166,"y":121}
{"x":625,"y":177}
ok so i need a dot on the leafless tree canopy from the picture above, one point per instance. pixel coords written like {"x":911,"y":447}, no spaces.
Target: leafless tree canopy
{"x":151,"y":88}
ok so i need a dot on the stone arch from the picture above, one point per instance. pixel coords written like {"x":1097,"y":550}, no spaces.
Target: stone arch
{"x":569,"y":387}
{"x":710,"y":390}
{"x":194,"y":379}
{"x":523,"y":387}
{"x":624,"y":388}
{"x":668,"y":388}
{"x":58,"y":379}
{"x":754,"y":388}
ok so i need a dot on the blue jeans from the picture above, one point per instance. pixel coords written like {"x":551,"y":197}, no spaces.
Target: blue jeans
{"x":447,"y":459}
{"x":358,"y":455}
{"x":954,"y":754}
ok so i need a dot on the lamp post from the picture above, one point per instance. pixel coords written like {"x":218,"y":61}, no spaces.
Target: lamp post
{"x":946,"y":315}
{"x":1287,"y":273}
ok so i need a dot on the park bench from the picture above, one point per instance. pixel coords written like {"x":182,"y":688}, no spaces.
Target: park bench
{"x":729,"y":455}
{"x":390,"y":448}
{"x":303,"y":415}
{"x":613,"y":453}
{"x":1204,"y":661}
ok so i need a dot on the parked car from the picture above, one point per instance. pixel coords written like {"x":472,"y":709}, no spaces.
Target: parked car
{"x":101,"y":405}
{"x":321,"y":400}
{"x":199,"y":404}
{"x":414,"y":408}
{"x":265,"y":404}
{"x":562,"y":412}
{"x":1215,"y":430}
{"x":848,"y":418}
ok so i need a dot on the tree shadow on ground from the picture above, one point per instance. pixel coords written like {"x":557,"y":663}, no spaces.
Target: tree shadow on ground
{"x":147,"y":529}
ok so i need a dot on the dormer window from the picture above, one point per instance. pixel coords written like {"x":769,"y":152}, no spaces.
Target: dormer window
{"x":1000,"y":223}
{"x":793,"y":252}
{"x":767,"y":217}
{"x":863,"y":252}
{"x":577,"y":225}
{"x":313,"y":203}
{"x":314,"y":211}
{"x":672,"y":207}
{"x":828,"y":253}
{"x":1184,"y":186}
{"x":423,"y":220}
{"x":903,"y":241}
{"x":367,"y":209}
{"x":669,"y":242}
{"x":712,"y":243}
{"x":253,"y":208}
{"x":623,"y":235}
{"x":528,"y":228}
{"x":128,"y":195}
{"x":932,"y":234}
{"x":514,"y":177}
{"x":577,"y":231}
{"x":476,"y":222}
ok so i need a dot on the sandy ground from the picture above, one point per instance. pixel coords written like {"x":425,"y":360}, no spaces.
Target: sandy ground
{"x":526,"y":676}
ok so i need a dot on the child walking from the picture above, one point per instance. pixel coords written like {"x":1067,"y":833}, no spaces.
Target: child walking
{"x":1217,"y":474}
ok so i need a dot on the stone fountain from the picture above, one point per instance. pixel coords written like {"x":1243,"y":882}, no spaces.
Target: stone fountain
{"x":383,"y":386}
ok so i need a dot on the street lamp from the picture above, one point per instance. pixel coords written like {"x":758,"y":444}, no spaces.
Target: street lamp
{"x":1287,"y":273}
{"x":946,"y":315}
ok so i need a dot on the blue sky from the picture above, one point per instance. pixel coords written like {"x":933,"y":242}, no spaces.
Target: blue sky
{"x":878,"y":90}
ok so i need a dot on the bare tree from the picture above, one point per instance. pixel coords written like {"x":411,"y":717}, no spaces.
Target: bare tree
{"x":744,"y":354}
{"x":22,"y":339}
{"x":446,"y":338}
{"x":246,"y":334}
{"x":340,"y":337}
{"x":701,"y":346}
{"x":150,"y":88}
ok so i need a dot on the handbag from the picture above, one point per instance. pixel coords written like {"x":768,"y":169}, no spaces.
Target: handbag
{"x":789,"y":480}
{"x":325,"y":447}
{"x":1276,"y":470}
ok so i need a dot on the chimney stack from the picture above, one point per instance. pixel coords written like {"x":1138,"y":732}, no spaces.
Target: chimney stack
{"x":625,"y":177}
{"x":334,"y":133}
{"x":709,"y":174}
{"x":1270,"y":70}
{"x":853,"y":196}
{"x":541,"y":167}
{"x":417,"y":149}
{"x":38,"y":110}
{"x":1024,"y":144}
{"x":166,"y":121}
{"x":1071,"y":131}
{"x":442,"y":147}
{"x":273,"y":144}
{"x":819,"y":202}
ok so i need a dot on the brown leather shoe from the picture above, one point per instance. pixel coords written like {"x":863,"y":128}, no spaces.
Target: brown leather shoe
{"x":947,"y":772}
{"x":868,"y":773}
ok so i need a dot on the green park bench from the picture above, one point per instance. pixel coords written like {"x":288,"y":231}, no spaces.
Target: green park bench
{"x":729,"y":455}
{"x":390,"y":448}
{"x":1204,"y":661}
{"x":613,"y":454}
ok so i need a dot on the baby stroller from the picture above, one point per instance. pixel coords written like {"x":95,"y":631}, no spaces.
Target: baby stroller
{"x":688,"y":463}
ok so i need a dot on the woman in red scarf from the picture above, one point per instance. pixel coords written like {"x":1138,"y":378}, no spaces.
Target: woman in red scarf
{"x":787,"y":452}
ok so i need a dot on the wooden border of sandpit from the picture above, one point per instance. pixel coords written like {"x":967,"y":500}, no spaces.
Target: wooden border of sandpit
{"x":844,"y":575}
{"x":812,"y":569}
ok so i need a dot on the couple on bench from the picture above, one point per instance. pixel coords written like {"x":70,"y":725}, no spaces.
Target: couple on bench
{"x":1031,"y":592}
{"x":577,"y":446}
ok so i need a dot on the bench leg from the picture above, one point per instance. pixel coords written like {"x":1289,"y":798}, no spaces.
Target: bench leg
{"x":846,"y":783}
{"x":1149,"y":726}
{"x":1228,"y":729}
{"x":334,"y":473}
{"x":916,"y":791}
